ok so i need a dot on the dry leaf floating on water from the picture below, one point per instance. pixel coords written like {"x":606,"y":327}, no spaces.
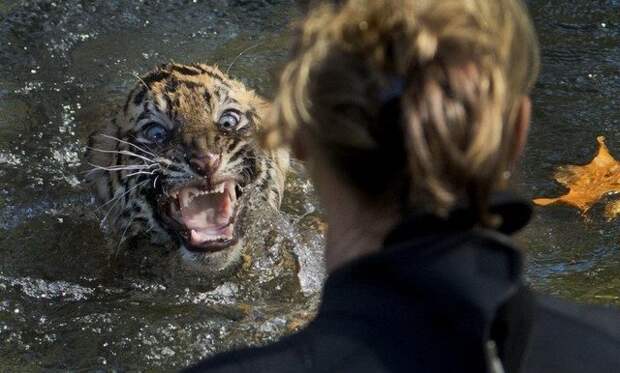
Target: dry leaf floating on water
{"x":589,"y":183}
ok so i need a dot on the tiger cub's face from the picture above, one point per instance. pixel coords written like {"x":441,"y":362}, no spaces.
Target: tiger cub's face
{"x":181,"y":160}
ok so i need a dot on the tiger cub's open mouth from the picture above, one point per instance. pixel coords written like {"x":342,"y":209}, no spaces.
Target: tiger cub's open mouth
{"x":204,"y":215}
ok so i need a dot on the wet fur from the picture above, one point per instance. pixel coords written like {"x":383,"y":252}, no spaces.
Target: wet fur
{"x":128,"y":176}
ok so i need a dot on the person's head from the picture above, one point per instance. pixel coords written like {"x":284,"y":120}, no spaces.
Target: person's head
{"x":411,"y":103}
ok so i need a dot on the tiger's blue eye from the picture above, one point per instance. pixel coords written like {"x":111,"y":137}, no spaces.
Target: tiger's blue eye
{"x":156,"y":133}
{"x":229,"y":120}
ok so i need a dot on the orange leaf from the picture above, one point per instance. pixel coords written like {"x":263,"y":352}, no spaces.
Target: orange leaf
{"x":589,"y":183}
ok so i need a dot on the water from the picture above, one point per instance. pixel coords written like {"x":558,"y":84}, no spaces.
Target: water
{"x":66,"y":302}
{"x":576,"y":99}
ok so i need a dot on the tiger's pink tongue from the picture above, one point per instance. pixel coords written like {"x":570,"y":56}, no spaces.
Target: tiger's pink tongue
{"x":208,"y":217}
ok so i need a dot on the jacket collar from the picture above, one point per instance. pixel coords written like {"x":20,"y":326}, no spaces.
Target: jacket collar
{"x":513,"y":214}
{"x":461,"y":274}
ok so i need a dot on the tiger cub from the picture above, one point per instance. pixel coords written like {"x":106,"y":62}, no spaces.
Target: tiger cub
{"x":181,"y":161}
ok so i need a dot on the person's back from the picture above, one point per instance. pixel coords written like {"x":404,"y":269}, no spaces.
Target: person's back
{"x":410,"y":115}
{"x":439,"y":300}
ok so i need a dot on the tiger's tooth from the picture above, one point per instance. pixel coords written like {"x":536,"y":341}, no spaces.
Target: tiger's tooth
{"x":186,"y":196}
{"x":194,"y":193}
{"x":182,"y":199}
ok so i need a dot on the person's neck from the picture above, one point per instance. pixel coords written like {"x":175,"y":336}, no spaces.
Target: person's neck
{"x":354,"y":232}
{"x":355,"y":226}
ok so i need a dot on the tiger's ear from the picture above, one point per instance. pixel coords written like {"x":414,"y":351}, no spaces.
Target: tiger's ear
{"x":263,"y":106}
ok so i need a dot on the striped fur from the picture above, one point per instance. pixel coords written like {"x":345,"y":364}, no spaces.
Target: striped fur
{"x":132,"y":174}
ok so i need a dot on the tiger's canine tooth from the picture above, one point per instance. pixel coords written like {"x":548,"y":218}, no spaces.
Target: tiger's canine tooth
{"x":186,"y":196}
{"x":175,"y":172}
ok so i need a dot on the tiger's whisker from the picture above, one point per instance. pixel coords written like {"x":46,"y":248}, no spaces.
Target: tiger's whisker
{"x":165,"y":161}
{"x":124,"y":152}
{"x":140,"y":173}
{"x":122,"y":239}
{"x":111,"y":209}
{"x":135,"y":75}
{"x":117,"y":198}
{"x":241,"y":54}
{"x":154,"y":160}
{"x":128,"y":143}
{"x":181,"y":175}
{"x":121,"y":168}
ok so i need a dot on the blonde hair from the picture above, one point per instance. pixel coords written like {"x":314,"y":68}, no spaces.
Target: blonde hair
{"x":411,"y":97}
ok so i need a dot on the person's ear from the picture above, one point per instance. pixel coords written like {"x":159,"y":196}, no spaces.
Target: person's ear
{"x":521,"y":125}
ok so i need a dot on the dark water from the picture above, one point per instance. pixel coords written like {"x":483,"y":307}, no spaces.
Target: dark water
{"x":66,"y":303}
{"x":576,"y":99}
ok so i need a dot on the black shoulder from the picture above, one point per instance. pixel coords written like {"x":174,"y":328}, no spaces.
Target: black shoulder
{"x":287,"y":355}
{"x":569,"y":337}
{"x":604,"y":320}
{"x":315,"y":349}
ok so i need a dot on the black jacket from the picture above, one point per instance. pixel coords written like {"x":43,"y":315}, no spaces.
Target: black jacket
{"x":441,"y":296}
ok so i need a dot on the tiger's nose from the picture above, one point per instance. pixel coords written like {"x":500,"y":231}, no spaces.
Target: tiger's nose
{"x":206,"y":163}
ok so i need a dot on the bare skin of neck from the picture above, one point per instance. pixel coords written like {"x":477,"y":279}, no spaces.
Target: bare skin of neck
{"x":355,"y":228}
{"x":352,"y":233}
